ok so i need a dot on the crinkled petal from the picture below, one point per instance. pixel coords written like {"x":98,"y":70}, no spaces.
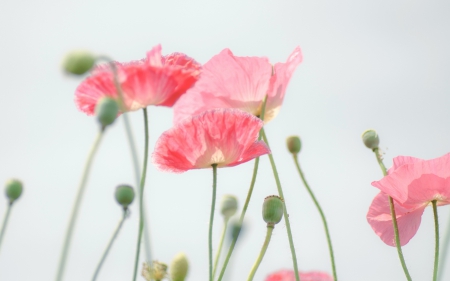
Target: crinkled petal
{"x":397,"y":183}
{"x":279,"y":81}
{"x":239,"y":82}
{"x":403,"y":160}
{"x":222,"y":137}
{"x":289,"y":275}
{"x":146,"y":85}
{"x":379,"y":218}
{"x":92,"y":89}
{"x":426,"y":188}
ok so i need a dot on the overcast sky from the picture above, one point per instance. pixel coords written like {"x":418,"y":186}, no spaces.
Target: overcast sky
{"x":367,"y":64}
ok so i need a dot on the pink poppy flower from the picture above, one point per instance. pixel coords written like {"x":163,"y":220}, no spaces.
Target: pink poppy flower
{"x":155,"y":80}
{"x":229,"y":81}
{"x":413,"y":183}
{"x":224,"y":137}
{"x":289,"y":275}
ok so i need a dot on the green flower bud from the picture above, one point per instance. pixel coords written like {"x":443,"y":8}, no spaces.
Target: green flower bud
{"x":106,"y":111}
{"x":179,"y":267}
{"x":370,"y":139}
{"x":13,"y":189}
{"x":235,"y":229}
{"x":228,"y":205}
{"x":78,"y":62}
{"x":272,"y":210}
{"x":293,"y":144}
{"x":124,"y":195}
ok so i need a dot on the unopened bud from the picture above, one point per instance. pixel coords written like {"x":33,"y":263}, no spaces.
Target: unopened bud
{"x":124,"y":195}
{"x":106,"y":111}
{"x":272,"y":210}
{"x":235,"y":229}
{"x":228,"y":206}
{"x":294,"y":144}
{"x":78,"y":62}
{"x":179,"y":267}
{"x":370,"y":139}
{"x":13,"y":189}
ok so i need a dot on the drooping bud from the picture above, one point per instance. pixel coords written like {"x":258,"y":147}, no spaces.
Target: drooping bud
{"x":13,"y":189}
{"x":370,"y":139}
{"x":179,"y":267}
{"x":78,"y":62}
{"x":235,"y":229}
{"x":272,"y":210}
{"x":228,"y":206}
{"x":106,"y":111}
{"x":124,"y":195}
{"x":294,"y":144}
{"x":157,"y":271}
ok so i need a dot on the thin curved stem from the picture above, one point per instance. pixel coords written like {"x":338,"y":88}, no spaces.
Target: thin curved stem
{"x":76,"y":206}
{"x":5,"y":222}
{"x":211,"y":220}
{"x":394,"y":219}
{"x":322,"y":215}
{"x":286,"y":216}
{"x":261,"y":254}
{"x":133,"y":150}
{"x":113,"y":238}
{"x":444,"y":251}
{"x":247,"y":200}
{"x":141,"y":195}
{"x":436,"y":234}
{"x":219,"y":250}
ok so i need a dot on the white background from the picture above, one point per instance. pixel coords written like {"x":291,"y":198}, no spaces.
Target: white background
{"x":367,"y":64}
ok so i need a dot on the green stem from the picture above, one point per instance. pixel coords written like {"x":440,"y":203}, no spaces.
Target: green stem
{"x":444,"y":250}
{"x":116,"y":232}
{"x":141,"y":195}
{"x":325,"y":225}
{"x":247,"y":200}
{"x":76,"y":206}
{"x":133,"y":150}
{"x":394,"y":219}
{"x":286,"y":216}
{"x":5,"y":222}
{"x":436,"y":233}
{"x":211,"y":220}
{"x":219,"y":251}
{"x":261,"y":254}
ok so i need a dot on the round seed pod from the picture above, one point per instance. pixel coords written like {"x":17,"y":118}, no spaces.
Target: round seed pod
{"x":272,"y":210}
{"x":78,"y":62}
{"x":294,"y":144}
{"x":124,"y":195}
{"x":13,"y":189}
{"x":106,"y":111}
{"x":370,"y":139}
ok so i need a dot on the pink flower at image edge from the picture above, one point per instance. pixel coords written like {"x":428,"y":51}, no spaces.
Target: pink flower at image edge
{"x":412,"y":183}
{"x":289,"y":275}
{"x":229,"y":81}
{"x":225,"y":137}
{"x":155,"y":80}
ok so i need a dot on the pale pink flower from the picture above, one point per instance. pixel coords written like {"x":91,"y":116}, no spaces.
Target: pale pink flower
{"x":229,"y":81}
{"x":224,"y":137}
{"x":413,"y":183}
{"x":289,"y":275}
{"x":155,"y":80}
